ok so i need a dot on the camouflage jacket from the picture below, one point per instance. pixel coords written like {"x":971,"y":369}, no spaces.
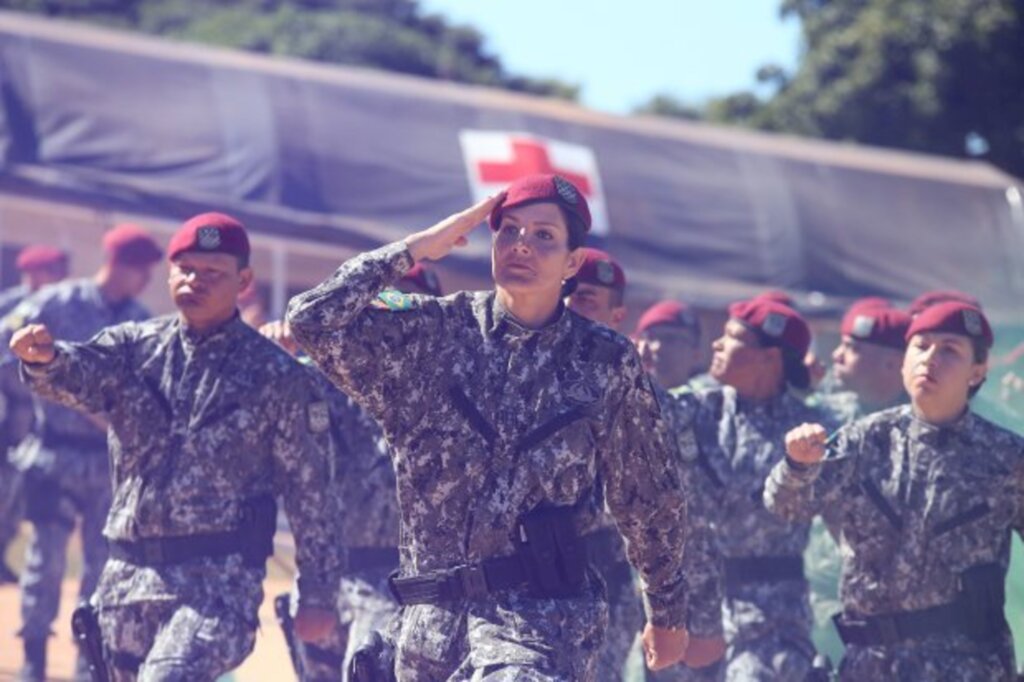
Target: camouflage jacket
{"x":11,"y":297}
{"x":488,"y":420}
{"x":200,"y":425}
{"x":363,"y":478}
{"x":702,"y":562}
{"x":913,"y":505}
{"x":73,"y":310}
{"x":739,"y":441}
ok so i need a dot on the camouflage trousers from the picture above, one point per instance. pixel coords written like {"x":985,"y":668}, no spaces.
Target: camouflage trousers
{"x":10,"y":503}
{"x":936,"y":659}
{"x":52,"y":505}
{"x":625,"y":620}
{"x":173,"y":642}
{"x":508,"y":637}
{"x":773,"y":657}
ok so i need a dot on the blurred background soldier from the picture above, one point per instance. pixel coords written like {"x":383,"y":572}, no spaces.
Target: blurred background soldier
{"x":38,"y":266}
{"x":668,"y":337}
{"x":759,"y":360}
{"x":64,"y":459}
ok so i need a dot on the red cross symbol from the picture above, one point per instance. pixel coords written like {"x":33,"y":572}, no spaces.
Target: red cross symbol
{"x":528,"y":157}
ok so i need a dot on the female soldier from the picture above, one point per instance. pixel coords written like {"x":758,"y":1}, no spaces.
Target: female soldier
{"x":502,"y":409}
{"x":923,"y":499}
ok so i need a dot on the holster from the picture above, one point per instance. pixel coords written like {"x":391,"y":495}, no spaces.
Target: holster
{"x":981,"y":601}
{"x":552,"y":551}
{"x":259,"y":522}
{"x":86,"y":629}
{"x":373,"y":661}
{"x":283,"y":614}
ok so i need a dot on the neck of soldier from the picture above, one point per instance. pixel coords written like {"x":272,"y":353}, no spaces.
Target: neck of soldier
{"x":532,"y":309}
{"x":203,"y":325}
{"x":110,"y":287}
{"x":939,"y":413}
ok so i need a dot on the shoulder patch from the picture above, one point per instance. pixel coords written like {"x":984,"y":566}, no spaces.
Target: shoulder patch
{"x":318,"y":416}
{"x":395,"y":301}
{"x":605,"y":349}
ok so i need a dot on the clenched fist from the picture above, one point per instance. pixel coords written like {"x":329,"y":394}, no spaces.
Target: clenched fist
{"x":806,"y":443}
{"x":664,"y":647}
{"x":33,"y":344}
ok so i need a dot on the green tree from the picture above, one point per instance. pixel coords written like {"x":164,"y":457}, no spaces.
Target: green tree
{"x":939,"y":76}
{"x":386,"y":34}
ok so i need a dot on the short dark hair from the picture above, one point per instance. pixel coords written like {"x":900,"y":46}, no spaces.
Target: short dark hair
{"x":980,"y":353}
{"x":576,"y":227}
{"x":793,"y":368}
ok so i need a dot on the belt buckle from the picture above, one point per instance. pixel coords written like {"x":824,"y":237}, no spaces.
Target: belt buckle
{"x":472,"y":580}
{"x":152,"y":553}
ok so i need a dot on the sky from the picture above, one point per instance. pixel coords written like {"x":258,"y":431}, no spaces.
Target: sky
{"x":624,"y":51}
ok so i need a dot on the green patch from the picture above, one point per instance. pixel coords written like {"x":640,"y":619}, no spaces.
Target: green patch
{"x":395,"y":301}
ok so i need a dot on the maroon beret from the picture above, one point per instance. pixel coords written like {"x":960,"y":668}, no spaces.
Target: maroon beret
{"x":423,"y":279}
{"x":868,"y":321}
{"x":778,"y":296}
{"x":930,"y":298}
{"x":953,"y":317}
{"x":670,"y":313}
{"x":779,"y":323}
{"x":601,"y":269}
{"x":533,"y":189}
{"x":38,"y":256}
{"x":210,"y":233}
{"x":129,"y":244}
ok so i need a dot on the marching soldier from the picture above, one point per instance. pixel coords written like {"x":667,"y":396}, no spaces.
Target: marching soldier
{"x":503,"y":410}
{"x":63,"y":461}
{"x":209,"y":422}
{"x":924,"y":499}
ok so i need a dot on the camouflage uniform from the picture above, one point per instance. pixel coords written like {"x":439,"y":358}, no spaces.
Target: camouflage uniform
{"x":64,"y":459}
{"x":767,"y":622}
{"x":363,"y":484}
{"x":200,"y":428}
{"x":914,"y":505}
{"x":702,"y":560}
{"x":488,"y":420}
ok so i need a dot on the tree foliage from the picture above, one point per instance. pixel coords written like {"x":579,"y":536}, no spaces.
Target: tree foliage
{"x":939,"y":76}
{"x":387,"y":34}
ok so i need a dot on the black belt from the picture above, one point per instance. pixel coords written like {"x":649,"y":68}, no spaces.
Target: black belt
{"x":762,"y":569}
{"x":469,"y":581}
{"x":179,"y":549}
{"x":372,"y":558}
{"x":892,"y":628}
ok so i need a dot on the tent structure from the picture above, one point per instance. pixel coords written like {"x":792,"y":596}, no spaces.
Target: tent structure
{"x":324,"y":161}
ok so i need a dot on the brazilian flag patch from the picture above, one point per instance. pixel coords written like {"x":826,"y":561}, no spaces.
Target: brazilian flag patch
{"x":395,"y":301}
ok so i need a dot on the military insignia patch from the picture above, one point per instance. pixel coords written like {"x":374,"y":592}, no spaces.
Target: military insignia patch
{"x":774,"y":324}
{"x":581,"y":392}
{"x":605,"y":272}
{"x":208,"y":238}
{"x":863,"y":326}
{"x":566,"y":190}
{"x":395,"y":301}
{"x":972,"y":323}
{"x":318,"y":417}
